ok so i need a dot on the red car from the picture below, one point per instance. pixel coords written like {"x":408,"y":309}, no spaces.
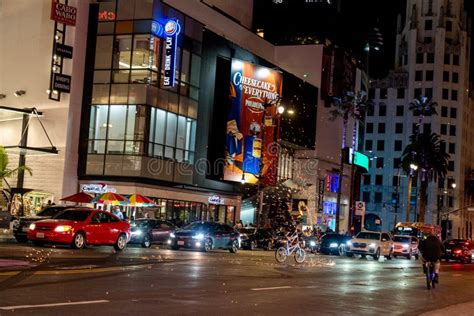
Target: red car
{"x":79,"y":227}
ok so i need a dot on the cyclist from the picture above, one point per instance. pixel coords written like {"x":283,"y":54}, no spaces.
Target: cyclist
{"x":431,"y":249}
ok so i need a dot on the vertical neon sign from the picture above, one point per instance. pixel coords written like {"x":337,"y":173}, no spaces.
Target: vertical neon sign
{"x":171,"y":32}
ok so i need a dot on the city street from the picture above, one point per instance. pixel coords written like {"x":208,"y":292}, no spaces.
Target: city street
{"x":60,"y":281}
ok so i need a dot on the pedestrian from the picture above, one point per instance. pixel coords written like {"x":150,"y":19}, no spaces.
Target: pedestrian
{"x":116,"y":212}
{"x":238,"y":225}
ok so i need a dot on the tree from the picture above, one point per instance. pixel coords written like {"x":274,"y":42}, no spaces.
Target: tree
{"x":421,"y":107}
{"x":5,"y":172}
{"x":350,"y":106}
{"x":425,"y":152}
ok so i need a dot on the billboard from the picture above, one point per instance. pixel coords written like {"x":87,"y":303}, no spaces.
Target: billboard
{"x":251,"y":128}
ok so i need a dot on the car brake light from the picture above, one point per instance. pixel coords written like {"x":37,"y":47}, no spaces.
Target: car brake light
{"x":457,"y":251}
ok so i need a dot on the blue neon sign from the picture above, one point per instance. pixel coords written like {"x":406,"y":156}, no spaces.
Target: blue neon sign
{"x":171,"y":31}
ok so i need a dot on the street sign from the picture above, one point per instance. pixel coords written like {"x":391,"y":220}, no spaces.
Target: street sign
{"x":62,"y":83}
{"x":63,"y":50}
{"x":359,"y":208}
{"x":63,"y":13}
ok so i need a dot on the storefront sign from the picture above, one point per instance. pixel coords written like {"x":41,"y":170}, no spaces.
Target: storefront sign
{"x":106,"y":16}
{"x":359,"y":208}
{"x":329,"y":208}
{"x":252,"y":86}
{"x":215,"y":199}
{"x":171,"y":31}
{"x":63,"y":13}
{"x":332,"y":183}
{"x":321,"y":187}
{"x":98,"y":188}
{"x":63,"y":50}
{"x":62,"y":83}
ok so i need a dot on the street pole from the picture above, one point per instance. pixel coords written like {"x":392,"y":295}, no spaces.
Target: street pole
{"x":407,"y":211}
{"x":397,"y":196}
{"x":339,"y":191}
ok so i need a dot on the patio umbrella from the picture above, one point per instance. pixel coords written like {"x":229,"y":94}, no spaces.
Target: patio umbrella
{"x":140,"y":200}
{"x":80,"y":197}
{"x":110,"y":198}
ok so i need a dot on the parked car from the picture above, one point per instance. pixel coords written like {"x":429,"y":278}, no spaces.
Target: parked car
{"x":333,"y":244}
{"x":21,"y":226}
{"x":78,"y":227}
{"x":460,"y":250}
{"x":406,"y":246}
{"x":252,"y":238}
{"x":206,"y":236}
{"x":148,"y":231}
{"x":370,"y":243}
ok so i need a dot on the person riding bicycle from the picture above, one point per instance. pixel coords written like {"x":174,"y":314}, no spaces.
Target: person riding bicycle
{"x":431,"y":249}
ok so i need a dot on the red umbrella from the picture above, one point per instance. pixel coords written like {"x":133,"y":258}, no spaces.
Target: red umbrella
{"x":80,"y":197}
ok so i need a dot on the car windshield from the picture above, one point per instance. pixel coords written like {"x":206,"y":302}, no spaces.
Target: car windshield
{"x":366,"y":235}
{"x":330,"y":237}
{"x":141,"y":223}
{"x":75,"y":215}
{"x":401,"y":239}
{"x":247,"y":231}
{"x":50,"y":211}
{"x":200,"y":226}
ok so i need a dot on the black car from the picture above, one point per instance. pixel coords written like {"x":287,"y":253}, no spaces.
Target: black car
{"x":206,"y":236}
{"x":333,"y":244}
{"x":148,"y":231}
{"x":22,"y":224}
{"x":252,"y":238}
{"x":460,"y":250}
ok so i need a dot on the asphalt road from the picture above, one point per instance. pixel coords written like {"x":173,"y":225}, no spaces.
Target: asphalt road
{"x":98,"y":281}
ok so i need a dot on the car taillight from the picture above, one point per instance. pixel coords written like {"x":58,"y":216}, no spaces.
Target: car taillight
{"x":457,"y":251}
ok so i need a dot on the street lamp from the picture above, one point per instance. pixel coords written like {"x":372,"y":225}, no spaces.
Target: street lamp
{"x":413,"y":168}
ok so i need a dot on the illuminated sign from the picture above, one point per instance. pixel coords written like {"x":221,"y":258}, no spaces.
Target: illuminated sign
{"x":215,"y":199}
{"x":63,"y":50}
{"x":361,"y":160}
{"x":171,"y":31}
{"x":63,"y":13}
{"x":106,"y":16}
{"x":98,"y":188}
{"x":329,"y":208}
{"x":332,"y":183}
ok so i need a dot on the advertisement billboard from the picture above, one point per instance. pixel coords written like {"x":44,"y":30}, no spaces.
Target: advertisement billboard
{"x":252,"y":125}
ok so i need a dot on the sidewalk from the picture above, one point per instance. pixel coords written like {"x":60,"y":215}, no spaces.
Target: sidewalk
{"x":6,"y":235}
{"x":464,"y":309}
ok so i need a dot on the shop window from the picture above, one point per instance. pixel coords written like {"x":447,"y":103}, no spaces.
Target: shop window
{"x":446,"y":76}
{"x":453,"y":113}
{"x":122,"y":52}
{"x":400,"y":93}
{"x":103,"y":52}
{"x":455,"y":77}
{"x":444,"y":111}
{"x":101,"y":76}
{"x":399,"y":111}
{"x":185,"y":66}
{"x":368,"y":144}
{"x":398,"y":128}
{"x":100,"y":94}
{"x":378,"y":179}
{"x":397,"y":145}
{"x":429,"y":75}
{"x":381,"y":129}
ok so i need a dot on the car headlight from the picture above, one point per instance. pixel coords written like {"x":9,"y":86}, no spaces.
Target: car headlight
{"x":172,"y":235}
{"x":372,"y":245}
{"x":32,"y":226}
{"x":405,"y":245}
{"x":137,"y":232}
{"x":349,"y":243}
{"x":333,"y":245}
{"x":199,"y":237}
{"x":62,"y":229}
{"x":312,"y":243}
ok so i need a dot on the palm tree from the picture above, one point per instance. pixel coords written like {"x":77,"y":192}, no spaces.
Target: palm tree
{"x":425,"y":152}
{"x":421,"y":107}
{"x":350,"y":106}
{"x":5,"y":172}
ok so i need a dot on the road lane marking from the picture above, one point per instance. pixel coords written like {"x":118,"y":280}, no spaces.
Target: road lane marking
{"x":53,"y":304}
{"x":9,"y":273}
{"x":271,"y":288}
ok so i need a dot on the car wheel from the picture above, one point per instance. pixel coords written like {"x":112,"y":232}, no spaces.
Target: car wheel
{"x":349,"y":254}
{"x":21,"y":239}
{"x":207,"y":245}
{"x":377,"y":254}
{"x":235,"y":246}
{"x":342,"y":250}
{"x":121,"y":242}
{"x":146,"y":241}
{"x":79,"y":240}
{"x":389,"y":257}
{"x":38,"y":243}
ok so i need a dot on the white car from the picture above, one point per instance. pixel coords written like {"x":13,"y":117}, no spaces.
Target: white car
{"x":367,"y":243}
{"x":406,"y":246}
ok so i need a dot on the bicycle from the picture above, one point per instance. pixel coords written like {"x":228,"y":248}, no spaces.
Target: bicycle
{"x":430,"y":274}
{"x":292,"y":246}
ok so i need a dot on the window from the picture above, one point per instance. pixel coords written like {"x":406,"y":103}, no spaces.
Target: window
{"x":400,"y":93}
{"x":396,"y":163}
{"x":445,"y":94}
{"x":367,"y":179}
{"x":430,"y":57}
{"x":452,"y":130}
{"x":382,"y":110}
{"x":450,"y":165}
{"x":378,"y":179}
{"x":444,"y":129}
{"x":449,"y":26}
{"x":429,"y":92}
{"x":369,"y":128}
{"x":444,"y":111}
{"x":454,"y":95}
{"x":378,"y":197}
{"x":419,"y":58}
{"x":440,"y":183}
{"x":398,"y":128}
{"x":419,"y":75}
{"x":379,"y":162}
{"x":380,"y":145}
{"x":428,"y":25}
{"x":381,"y":129}
{"x":456,"y":60}
{"x":446,"y":76}
{"x":429,"y":75}
{"x":453,"y":112}
{"x":383,"y":93}
{"x":417,"y":92}
{"x":395,"y":181}
{"x":455,"y":77}
{"x":400,"y":110}
{"x":368,"y":144}
{"x":370,"y":111}
{"x":397,"y":145}
{"x":442,"y":146}
{"x":371,"y":94}
{"x":452,"y":148}
{"x":447,"y":59}
{"x":366,"y":197}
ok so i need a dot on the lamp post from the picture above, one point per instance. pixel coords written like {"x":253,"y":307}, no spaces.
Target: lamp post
{"x":413,"y":168}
